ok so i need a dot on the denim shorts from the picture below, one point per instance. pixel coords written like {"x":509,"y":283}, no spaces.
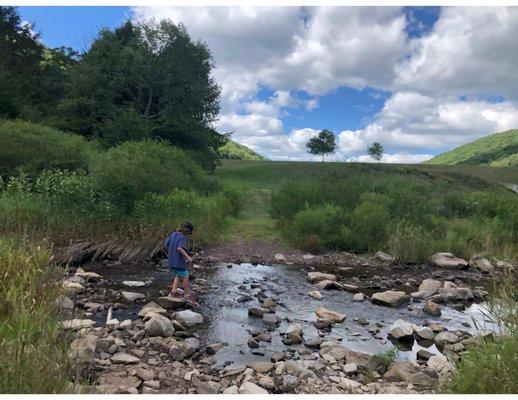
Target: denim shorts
{"x":180,"y":272}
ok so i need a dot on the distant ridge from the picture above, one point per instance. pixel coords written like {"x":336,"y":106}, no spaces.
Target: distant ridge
{"x":235,"y":151}
{"x":498,"y":149}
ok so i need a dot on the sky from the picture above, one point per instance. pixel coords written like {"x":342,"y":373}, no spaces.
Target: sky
{"x":419,"y":80}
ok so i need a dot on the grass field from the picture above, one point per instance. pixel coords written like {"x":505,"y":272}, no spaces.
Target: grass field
{"x":259,"y":179}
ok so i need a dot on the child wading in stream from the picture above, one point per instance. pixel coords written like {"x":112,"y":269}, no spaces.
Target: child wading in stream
{"x":178,"y":259}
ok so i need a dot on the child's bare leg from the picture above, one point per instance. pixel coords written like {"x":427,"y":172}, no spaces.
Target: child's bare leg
{"x":174,"y":287}
{"x":186,"y":289}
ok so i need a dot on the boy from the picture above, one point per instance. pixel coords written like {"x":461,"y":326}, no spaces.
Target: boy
{"x":178,"y":259}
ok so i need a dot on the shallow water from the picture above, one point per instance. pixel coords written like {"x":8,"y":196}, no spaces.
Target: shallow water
{"x":227,"y":320}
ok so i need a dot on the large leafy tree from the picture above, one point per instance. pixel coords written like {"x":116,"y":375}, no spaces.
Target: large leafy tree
{"x":146,"y":81}
{"x":324,"y":143}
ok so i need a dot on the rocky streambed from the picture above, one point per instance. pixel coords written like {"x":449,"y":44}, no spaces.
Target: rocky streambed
{"x":299,"y":328}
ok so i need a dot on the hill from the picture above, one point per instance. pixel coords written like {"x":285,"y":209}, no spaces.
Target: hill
{"x":498,"y":149}
{"x":236,"y":151}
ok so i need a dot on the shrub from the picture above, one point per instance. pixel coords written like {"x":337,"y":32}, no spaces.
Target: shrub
{"x":408,"y":242}
{"x":31,"y":148}
{"x":132,"y":170}
{"x":33,"y":349}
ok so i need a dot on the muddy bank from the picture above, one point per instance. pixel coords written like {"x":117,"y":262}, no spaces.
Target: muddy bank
{"x":233,"y":299}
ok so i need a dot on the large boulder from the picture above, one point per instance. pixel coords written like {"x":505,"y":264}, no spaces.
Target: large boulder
{"x":189,"y":318}
{"x":448,"y":260}
{"x":330,"y":315}
{"x":159,"y":325}
{"x":482,"y":264}
{"x":315,"y":277}
{"x":402,"y":330}
{"x":390,"y":298}
{"x":425,"y":333}
{"x":445,"y":337}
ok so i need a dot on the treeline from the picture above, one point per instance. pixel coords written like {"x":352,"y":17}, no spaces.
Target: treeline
{"x":136,"y":82}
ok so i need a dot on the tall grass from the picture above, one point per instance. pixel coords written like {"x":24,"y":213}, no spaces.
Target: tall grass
{"x":490,"y":367}
{"x":32,"y":349}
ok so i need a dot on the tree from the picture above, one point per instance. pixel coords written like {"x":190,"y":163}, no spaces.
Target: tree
{"x":147,"y":81}
{"x":376,"y":151}
{"x":322,"y":144}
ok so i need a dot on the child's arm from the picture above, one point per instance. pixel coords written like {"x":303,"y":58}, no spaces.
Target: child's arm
{"x":182,"y":251}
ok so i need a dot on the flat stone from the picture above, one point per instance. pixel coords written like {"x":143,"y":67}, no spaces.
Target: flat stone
{"x":328,"y":284}
{"x":238,"y":369}
{"x":170,"y":302}
{"x":157,"y":310}
{"x":445,"y":337}
{"x":124,"y":358}
{"x":132,"y":296}
{"x":77,"y":323}
{"x":390,"y":298}
{"x":316,"y":294}
{"x":88,"y":276}
{"x":133,"y":283}
{"x":251,"y":388}
{"x":189,"y":318}
{"x":261,"y":366}
{"x":330,"y":315}
{"x":315,"y":277}
{"x":73,"y":288}
{"x":448,"y":260}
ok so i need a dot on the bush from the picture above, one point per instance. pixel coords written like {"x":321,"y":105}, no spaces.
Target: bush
{"x":32,"y":148}
{"x":33,"y":349}
{"x":132,"y":170}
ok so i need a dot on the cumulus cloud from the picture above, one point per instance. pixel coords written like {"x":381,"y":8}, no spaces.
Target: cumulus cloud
{"x":440,"y":83}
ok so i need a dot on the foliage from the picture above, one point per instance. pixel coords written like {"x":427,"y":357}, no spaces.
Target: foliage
{"x":31,"y":148}
{"x":156,"y":83}
{"x":133,"y":170}
{"x":376,"y":151}
{"x":235,"y":151}
{"x":490,"y":366}
{"x":32,"y":347}
{"x":498,"y":149}
{"x":323,"y":144}
{"x":386,"y":358}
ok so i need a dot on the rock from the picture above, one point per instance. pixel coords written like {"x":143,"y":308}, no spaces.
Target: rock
{"x":244,"y":298}
{"x":432,"y":308}
{"x":77,"y":324}
{"x":88,"y":276}
{"x":145,"y":374}
{"x":251,"y":388}
{"x":359,"y":297}
{"x":390,"y":298}
{"x":64,"y":302}
{"x":214,"y":348}
{"x":316,"y":294}
{"x":124,"y":358}
{"x":323,"y":324}
{"x":441,"y":364}
{"x":330,"y":315}
{"x":133,"y":283}
{"x":271,"y":319}
{"x":113,"y":323}
{"x":279,"y":257}
{"x":337,"y":352}
{"x":328,"y":284}
{"x":315,"y":277}
{"x":73,"y":288}
{"x":289,"y":383}
{"x":189,"y":346}
{"x":383,"y":257}
{"x":146,"y":310}
{"x":445,"y":337}
{"x":132,"y":296}
{"x":188,"y":318}
{"x":266,"y":382}
{"x":82,"y":352}
{"x":208,"y":388}
{"x":308,"y":257}
{"x":350,"y":288}
{"x":482,"y":264}
{"x":257,"y":312}
{"x":428,"y":288}
{"x":504,"y":265}
{"x":238,"y":369}
{"x":295,"y":328}
{"x":252,"y":343}
{"x":349,"y":384}
{"x":159,"y":325}
{"x":261,"y":366}
{"x":448,"y":260}
{"x":313,"y":343}
{"x":425,"y":333}
{"x":268,"y":304}
{"x":401,"y":330}
{"x":424,"y":355}
{"x":231,"y":390}
{"x":170,"y":302}
{"x":350,"y":368}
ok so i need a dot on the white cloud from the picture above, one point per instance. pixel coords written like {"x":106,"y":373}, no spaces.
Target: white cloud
{"x":470,"y":51}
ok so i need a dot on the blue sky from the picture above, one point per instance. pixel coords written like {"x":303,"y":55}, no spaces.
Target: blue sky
{"x":368,"y":74}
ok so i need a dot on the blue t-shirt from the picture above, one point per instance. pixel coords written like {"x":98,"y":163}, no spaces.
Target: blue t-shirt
{"x":174,"y":257}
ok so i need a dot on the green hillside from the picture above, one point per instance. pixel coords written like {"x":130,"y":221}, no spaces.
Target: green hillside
{"x":498,"y":149}
{"x":236,"y":151}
